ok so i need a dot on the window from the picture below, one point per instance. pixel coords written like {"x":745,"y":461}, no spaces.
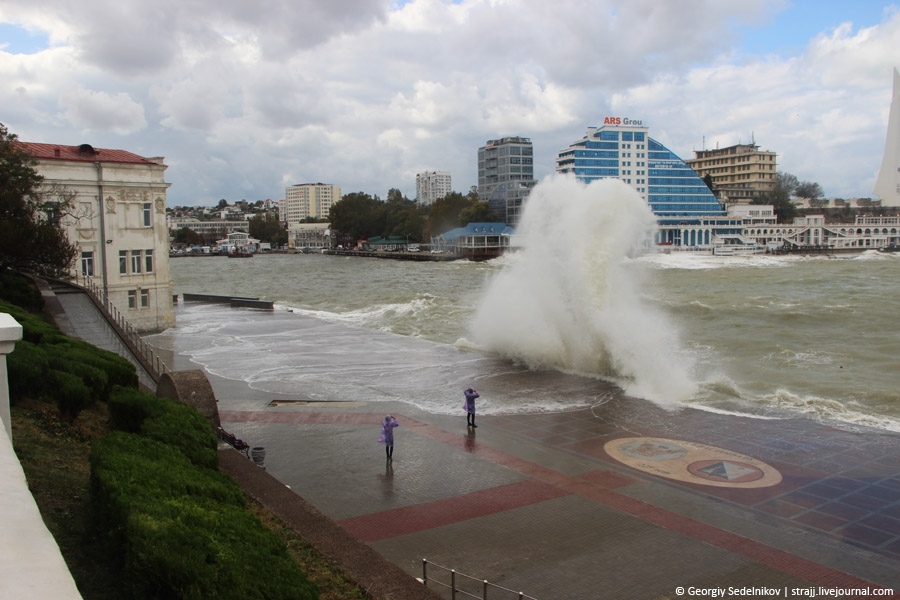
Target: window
{"x":148,"y":261}
{"x":145,"y":298}
{"x":87,"y":264}
{"x":123,"y":262}
{"x":148,"y":215}
{"x":135,"y":261}
{"x":132,"y":299}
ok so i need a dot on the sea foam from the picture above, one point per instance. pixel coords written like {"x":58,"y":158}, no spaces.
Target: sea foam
{"x":571,"y":299}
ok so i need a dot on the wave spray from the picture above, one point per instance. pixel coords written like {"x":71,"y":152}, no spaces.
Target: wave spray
{"x":570,"y":299}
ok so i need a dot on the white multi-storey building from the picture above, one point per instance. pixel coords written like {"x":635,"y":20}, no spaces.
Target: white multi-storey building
{"x":308,"y":201}
{"x":118,"y":226}
{"x":431,"y":186}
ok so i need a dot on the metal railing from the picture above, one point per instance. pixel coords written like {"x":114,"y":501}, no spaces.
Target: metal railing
{"x":142,"y":351}
{"x":457,"y":578}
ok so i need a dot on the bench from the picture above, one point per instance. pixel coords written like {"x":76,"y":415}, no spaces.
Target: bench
{"x":235,"y":442}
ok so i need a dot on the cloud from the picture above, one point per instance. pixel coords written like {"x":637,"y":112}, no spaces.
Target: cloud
{"x":99,"y":111}
{"x":244,"y":99}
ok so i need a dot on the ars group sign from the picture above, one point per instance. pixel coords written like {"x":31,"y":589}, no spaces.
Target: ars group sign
{"x":622,"y":121}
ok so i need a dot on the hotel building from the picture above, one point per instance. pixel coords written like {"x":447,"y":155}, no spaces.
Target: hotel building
{"x":687,"y":211}
{"x":308,"y":201}
{"x":118,"y":226}
{"x":739,"y":173}
{"x":431,"y":186}
{"x":506,"y":176}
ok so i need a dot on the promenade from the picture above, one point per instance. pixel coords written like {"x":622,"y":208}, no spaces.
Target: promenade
{"x":623,"y":500}
{"x":556,"y":505}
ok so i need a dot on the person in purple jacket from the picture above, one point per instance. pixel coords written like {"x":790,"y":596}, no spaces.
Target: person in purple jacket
{"x":469,"y":406}
{"x":387,"y":436}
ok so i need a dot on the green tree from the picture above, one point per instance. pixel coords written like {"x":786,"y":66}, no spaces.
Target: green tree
{"x":780,"y":197}
{"x":395,"y":195}
{"x":357,"y":216}
{"x":479,"y":212}
{"x":187,"y":236}
{"x":403,"y":217}
{"x":267,"y":228}
{"x":787,"y":182}
{"x":443,"y":215}
{"x":809,"y":189}
{"x":31,"y":234}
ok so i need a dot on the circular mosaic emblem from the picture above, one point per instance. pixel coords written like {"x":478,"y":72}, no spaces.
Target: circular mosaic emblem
{"x":653,"y":450}
{"x":693,"y":463}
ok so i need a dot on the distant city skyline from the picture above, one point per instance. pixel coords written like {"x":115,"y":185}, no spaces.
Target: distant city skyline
{"x":369,"y":94}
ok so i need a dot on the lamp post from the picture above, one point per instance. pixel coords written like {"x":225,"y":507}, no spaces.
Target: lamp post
{"x":407,"y":242}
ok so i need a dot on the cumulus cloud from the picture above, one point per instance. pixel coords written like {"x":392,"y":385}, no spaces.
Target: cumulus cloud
{"x":98,"y":111}
{"x":243,"y":99}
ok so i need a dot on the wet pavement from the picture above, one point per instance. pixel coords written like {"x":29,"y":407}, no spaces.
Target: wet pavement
{"x":554,"y":506}
{"x":623,"y":500}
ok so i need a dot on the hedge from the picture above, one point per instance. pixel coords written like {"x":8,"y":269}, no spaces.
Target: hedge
{"x":45,"y":360}
{"x":166,"y":421}
{"x":183,"y":530}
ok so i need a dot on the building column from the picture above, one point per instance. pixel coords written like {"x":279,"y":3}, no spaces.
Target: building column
{"x":10,"y":333}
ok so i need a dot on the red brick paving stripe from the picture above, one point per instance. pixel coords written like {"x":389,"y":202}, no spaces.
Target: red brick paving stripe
{"x":420,"y":517}
{"x":756,"y":551}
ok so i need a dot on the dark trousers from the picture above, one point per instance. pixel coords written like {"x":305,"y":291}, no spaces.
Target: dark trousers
{"x":389,"y":450}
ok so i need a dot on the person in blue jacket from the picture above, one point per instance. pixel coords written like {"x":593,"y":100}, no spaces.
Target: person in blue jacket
{"x":469,"y":406}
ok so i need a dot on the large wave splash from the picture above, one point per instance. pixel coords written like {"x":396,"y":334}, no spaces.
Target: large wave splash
{"x":570,"y":299}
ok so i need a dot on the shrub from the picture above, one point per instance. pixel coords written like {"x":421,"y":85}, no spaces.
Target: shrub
{"x":27,"y":368}
{"x":130,"y":407}
{"x":224,"y":553}
{"x":92,"y":377}
{"x":186,"y":429}
{"x":70,"y":392}
{"x":164,"y":420}
{"x":19,"y":290}
{"x":119,"y":371}
{"x":182,"y":530}
{"x":35,"y":328}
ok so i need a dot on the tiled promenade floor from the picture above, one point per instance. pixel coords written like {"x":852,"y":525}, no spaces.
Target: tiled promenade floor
{"x":535,"y":502}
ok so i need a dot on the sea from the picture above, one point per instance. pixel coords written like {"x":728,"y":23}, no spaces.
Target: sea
{"x":585,"y":310}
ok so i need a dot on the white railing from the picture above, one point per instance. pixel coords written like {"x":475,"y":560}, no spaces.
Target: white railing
{"x":459,"y":581}
{"x":142,"y":351}
{"x":31,"y":565}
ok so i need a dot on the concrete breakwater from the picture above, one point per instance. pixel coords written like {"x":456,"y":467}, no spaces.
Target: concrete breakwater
{"x":233,"y":301}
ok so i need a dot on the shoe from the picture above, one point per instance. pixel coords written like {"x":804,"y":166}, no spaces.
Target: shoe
{"x":474,"y":425}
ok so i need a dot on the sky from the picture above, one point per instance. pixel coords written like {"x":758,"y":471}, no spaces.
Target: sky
{"x":244,"y":99}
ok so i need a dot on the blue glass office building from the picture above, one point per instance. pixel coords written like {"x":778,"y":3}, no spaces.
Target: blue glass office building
{"x":688,"y":212}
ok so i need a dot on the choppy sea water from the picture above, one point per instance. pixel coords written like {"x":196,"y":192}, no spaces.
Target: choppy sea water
{"x":557,"y":328}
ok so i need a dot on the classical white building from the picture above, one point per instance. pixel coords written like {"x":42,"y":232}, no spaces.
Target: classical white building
{"x":118,"y":226}
{"x":431,"y":186}
{"x":308,"y":200}
{"x":311,"y":236}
